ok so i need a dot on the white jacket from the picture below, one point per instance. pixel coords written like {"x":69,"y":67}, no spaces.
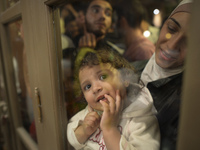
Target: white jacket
{"x":138,"y":126}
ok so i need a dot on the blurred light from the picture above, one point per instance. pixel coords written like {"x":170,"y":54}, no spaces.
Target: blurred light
{"x":146,"y":33}
{"x":157,"y":19}
{"x":156,"y":11}
{"x":168,"y":35}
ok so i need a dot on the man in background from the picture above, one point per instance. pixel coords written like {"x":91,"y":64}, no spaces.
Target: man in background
{"x":130,"y":16}
{"x":97,"y":22}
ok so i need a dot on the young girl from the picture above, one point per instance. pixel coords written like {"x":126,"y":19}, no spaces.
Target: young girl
{"x":120,"y":112}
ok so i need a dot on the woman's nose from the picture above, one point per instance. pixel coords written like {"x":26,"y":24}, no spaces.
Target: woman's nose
{"x":176,"y":42}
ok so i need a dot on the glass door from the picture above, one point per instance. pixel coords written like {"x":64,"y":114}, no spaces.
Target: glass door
{"x":17,"y":82}
{"x":36,"y":100}
{"x":6,"y":132}
{"x":29,"y":57}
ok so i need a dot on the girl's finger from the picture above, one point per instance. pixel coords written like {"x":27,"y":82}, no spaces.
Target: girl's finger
{"x":119,"y":103}
{"x":112,"y":105}
{"x":105,"y":106}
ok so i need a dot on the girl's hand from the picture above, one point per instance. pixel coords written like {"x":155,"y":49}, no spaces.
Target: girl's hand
{"x":88,"y":127}
{"x":112,"y":112}
{"x":91,"y":122}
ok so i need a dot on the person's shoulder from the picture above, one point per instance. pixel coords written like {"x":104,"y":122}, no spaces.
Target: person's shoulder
{"x":79,"y":115}
{"x":142,"y":102}
{"x":145,"y":95}
{"x":139,"y":65}
{"x":66,"y":42}
{"x":147,"y":45}
{"x":115,"y":47}
{"x":141,"y":49}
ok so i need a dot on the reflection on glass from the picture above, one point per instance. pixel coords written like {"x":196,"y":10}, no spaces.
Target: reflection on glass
{"x":5,"y":134}
{"x":131,"y":28}
{"x":127,"y":34}
{"x":9,"y":3}
{"x":71,"y":29}
{"x":21,"y":76}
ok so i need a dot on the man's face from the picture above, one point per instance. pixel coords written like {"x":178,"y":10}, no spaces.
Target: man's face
{"x":72,"y":28}
{"x":171,"y":45}
{"x":98,"y":17}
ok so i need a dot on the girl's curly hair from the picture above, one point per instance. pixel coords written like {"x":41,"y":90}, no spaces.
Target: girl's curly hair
{"x":91,"y":57}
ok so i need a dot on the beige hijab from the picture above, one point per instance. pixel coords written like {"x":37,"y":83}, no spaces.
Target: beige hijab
{"x":153,"y":72}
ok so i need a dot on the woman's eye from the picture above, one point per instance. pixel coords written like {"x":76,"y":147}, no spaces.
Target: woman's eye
{"x":171,"y":28}
{"x":87,"y":87}
{"x":103,"y":77}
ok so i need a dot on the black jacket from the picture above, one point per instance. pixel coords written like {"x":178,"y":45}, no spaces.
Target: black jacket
{"x":166,"y":94}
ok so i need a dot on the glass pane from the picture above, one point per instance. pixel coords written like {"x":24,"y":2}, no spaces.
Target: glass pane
{"x":121,"y":33}
{"x":70,"y":31}
{"x":73,"y":25}
{"x":9,"y":3}
{"x":5,"y":131}
{"x":21,"y":76}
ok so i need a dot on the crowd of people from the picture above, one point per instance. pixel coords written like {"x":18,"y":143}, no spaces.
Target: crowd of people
{"x":126,"y":107}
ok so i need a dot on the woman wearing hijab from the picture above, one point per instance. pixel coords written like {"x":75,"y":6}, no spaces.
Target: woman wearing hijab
{"x":163,"y":72}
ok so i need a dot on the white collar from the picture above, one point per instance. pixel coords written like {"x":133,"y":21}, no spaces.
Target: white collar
{"x":153,"y":72}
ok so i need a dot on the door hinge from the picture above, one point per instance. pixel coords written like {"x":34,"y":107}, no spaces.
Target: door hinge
{"x":39,"y":106}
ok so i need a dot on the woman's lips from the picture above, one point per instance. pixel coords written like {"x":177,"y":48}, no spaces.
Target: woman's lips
{"x":169,"y":56}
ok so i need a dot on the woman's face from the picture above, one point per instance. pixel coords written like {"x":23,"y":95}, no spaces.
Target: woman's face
{"x":171,"y":45}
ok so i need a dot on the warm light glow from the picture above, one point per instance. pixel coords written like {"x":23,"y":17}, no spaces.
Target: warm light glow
{"x":156,"y":11}
{"x":146,"y":33}
{"x":157,"y":20}
{"x":168,"y":35}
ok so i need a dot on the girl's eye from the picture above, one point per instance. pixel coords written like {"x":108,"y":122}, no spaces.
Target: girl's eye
{"x":87,"y":87}
{"x":103,"y":77}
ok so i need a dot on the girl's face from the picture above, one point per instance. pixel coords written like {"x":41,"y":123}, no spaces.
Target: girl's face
{"x":172,"y":42}
{"x":98,"y":80}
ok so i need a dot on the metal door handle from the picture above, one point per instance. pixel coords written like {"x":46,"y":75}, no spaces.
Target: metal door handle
{"x":39,"y":106}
